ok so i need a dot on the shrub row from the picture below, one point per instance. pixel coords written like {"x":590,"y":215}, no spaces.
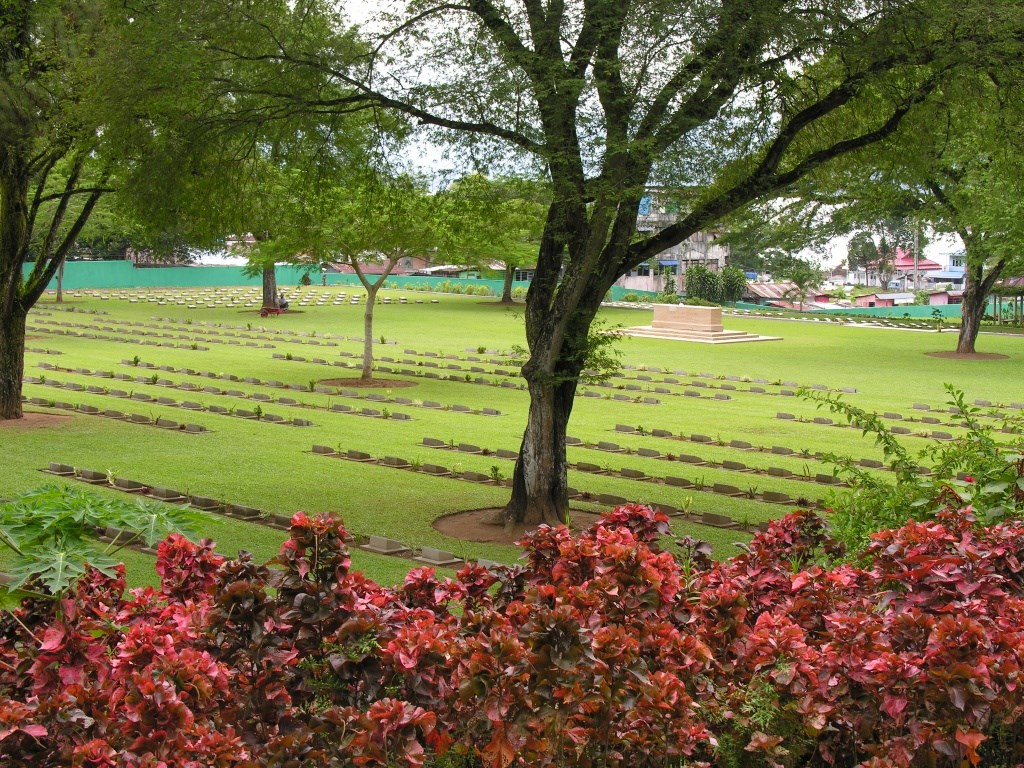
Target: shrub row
{"x":603,"y":649}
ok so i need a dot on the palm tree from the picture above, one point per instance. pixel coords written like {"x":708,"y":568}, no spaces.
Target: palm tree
{"x":804,"y":278}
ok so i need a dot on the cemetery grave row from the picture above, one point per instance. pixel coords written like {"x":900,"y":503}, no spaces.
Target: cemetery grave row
{"x":824,"y":421}
{"x":380,"y":545}
{"x":743,"y":445}
{"x":629,"y":473}
{"x":711,"y":519}
{"x":265,"y":397}
{"x":256,"y":414}
{"x":234,"y":298}
{"x":131,"y":418}
{"x":148,"y":342}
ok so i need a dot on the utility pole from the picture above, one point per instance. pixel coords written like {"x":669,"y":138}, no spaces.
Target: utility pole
{"x":917,"y":256}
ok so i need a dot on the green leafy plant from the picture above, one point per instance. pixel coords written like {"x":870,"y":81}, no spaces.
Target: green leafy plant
{"x":974,"y":469}
{"x":51,"y":533}
{"x":497,"y":476}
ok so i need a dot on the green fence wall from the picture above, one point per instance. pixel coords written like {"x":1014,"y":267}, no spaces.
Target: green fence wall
{"x":913,"y":310}
{"x":123,"y":274}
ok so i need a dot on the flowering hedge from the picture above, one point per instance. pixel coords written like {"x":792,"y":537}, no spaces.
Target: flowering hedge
{"x":602,"y":650}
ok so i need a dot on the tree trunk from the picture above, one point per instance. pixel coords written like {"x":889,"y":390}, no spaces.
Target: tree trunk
{"x":971,"y":313}
{"x":977,"y":285}
{"x":539,"y":484}
{"x":371,"y":299}
{"x":12,"y":364}
{"x":269,"y":285}
{"x":506,"y":288}
{"x":60,"y":282}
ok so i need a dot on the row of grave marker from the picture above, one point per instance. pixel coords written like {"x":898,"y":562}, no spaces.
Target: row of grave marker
{"x":741,"y":445}
{"x":144,"y":397}
{"x":131,"y":418}
{"x":318,"y":389}
{"x":378,"y":544}
{"x":711,"y":519}
{"x":609,"y":447}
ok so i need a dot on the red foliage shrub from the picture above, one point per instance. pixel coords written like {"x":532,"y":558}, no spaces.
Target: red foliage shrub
{"x":604,"y":649}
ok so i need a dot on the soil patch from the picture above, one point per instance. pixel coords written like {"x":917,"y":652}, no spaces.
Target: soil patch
{"x":475,"y":525}
{"x":33,"y":420}
{"x":288,"y":312}
{"x":369,"y":384}
{"x":968,"y":355}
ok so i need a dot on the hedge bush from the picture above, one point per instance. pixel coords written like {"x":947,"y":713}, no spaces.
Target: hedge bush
{"x":603,"y":649}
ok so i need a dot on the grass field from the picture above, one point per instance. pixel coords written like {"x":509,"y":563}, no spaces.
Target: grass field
{"x":270,"y":466}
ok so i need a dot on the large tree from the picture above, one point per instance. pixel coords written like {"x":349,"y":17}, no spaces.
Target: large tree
{"x":734,"y":100}
{"x":50,"y":179}
{"x":743,"y":100}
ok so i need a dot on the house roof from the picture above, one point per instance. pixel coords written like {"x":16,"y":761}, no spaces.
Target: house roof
{"x":895,"y":296}
{"x":905,"y":261}
{"x":769,"y":290}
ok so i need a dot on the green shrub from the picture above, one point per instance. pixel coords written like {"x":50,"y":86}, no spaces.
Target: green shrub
{"x":972,"y":470}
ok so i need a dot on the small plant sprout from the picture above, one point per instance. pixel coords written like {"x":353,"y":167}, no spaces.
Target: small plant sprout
{"x":385,"y":413}
{"x":312,"y":385}
{"x":136,"y":360}
{"x":497,"y":476}
{"x":258,"y":411}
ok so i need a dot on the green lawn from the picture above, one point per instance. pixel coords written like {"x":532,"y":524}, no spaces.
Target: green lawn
{"x":270,"y":465}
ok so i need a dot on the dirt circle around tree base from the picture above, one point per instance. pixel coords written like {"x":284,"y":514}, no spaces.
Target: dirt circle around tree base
{"x":968,"y":355}
{"x":368,"y":384}
{"x":475,"y":525}
{"x":34,"y":420}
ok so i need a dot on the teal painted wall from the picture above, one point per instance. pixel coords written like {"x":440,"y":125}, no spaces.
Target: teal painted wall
{"x":914,"y":310}
{"x":123,"y":274}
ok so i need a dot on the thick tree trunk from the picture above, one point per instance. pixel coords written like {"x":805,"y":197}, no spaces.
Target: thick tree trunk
{"x":506,"y":288}
{"x":60,"y":282}
{"x":371,"y":300}
{"x":269,"y":285}
{"x":977,"y":287}
{"x":539,"y":484}
{"x":12,"y":363}
{"x":971,"y":313}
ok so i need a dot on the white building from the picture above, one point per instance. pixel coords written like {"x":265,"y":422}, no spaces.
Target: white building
{"x":658,"y":210}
